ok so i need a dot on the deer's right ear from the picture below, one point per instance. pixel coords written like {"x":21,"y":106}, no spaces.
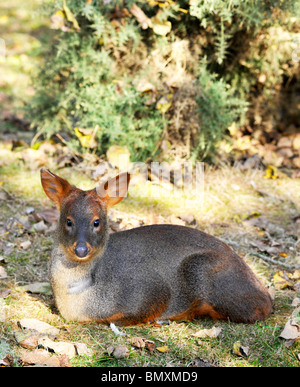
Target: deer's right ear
{"x":54,"y":186}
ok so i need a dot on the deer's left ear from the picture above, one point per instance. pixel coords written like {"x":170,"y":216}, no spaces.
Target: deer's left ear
{"x":114,"y":190}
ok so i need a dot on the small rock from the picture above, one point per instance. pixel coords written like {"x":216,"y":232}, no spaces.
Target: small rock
{"x":187,"y":218}
{"x":119,"y":352}
{"x":40,"y":326}
{"x":201,"y":363}
{"x":25,"y":245}
{"x":3,"y":273}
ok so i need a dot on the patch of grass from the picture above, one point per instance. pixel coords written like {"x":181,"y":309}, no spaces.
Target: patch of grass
{"x":230,"y":196}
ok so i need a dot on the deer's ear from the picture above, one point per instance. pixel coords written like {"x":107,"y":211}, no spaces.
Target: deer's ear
{"x":55,"y":187}
{"x":114,"y":190}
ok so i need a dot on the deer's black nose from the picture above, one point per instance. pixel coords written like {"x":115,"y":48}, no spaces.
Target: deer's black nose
{"x":81,"y":250}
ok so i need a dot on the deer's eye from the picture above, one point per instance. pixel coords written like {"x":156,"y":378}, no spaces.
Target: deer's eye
{"x":69,"y":223}
{"x":96,"y":223}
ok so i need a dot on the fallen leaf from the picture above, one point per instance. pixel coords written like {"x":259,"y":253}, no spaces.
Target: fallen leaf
{"x":5,"y":293}
{"x":86,"y":137}
{"x":34,"y":158}
{"x":264,"y":247}
{"x":160,"y":27}
{"x":83,"y":350}
{"x":296,"y":302}
{"x":213,"y":332}
{"x":38,"y":288}
{"x":40,"y":326}
{"x":70,"y":17}
{"x":296,"y":287}
{"x":145,"y":86}
{"x":150,"y":345}
{"x":240,"y":350}
{"x":163,"y":349}
{"x":7,"y":361}
{"x":49,"y":215}
{"x":64,"y":361}
{"x":271,"y":172}
{"x":58,"y":21}
{"x":27,"y":338}
{"x":291,"y":330}
{"x":59,"y":347}
{"x":40,"y":226}
{"x":137,"y":342}
{"x":163,"y":104}
{"x":282,"y":280}
{"x":296,"y":274}
{"x":140,"y":16}
{"x":37,"y":356}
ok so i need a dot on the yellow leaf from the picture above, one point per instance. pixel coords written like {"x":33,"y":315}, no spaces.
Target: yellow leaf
{"x":70,"y":17}
{"x":57,"y":20}
{"x":233,"y":129}
{"x":163,"y":349}
{"x":282,"y":280}
{"x":86,"y":137}
{"x":164,"y":103}
{"x":240,"y":350}
{"x":271,"y":172}
{"x":161,"y":3}
{"x":283,"y":255}
{"x":160,"y":27}
{"x":295,"y":275}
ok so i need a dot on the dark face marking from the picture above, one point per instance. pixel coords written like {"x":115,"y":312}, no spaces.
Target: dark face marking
{"x":82,"y":228}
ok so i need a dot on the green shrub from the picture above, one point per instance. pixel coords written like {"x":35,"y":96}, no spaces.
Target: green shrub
{"x":79,"y":87}
{"x":218,"y":109}
{"x":101,"y":49}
